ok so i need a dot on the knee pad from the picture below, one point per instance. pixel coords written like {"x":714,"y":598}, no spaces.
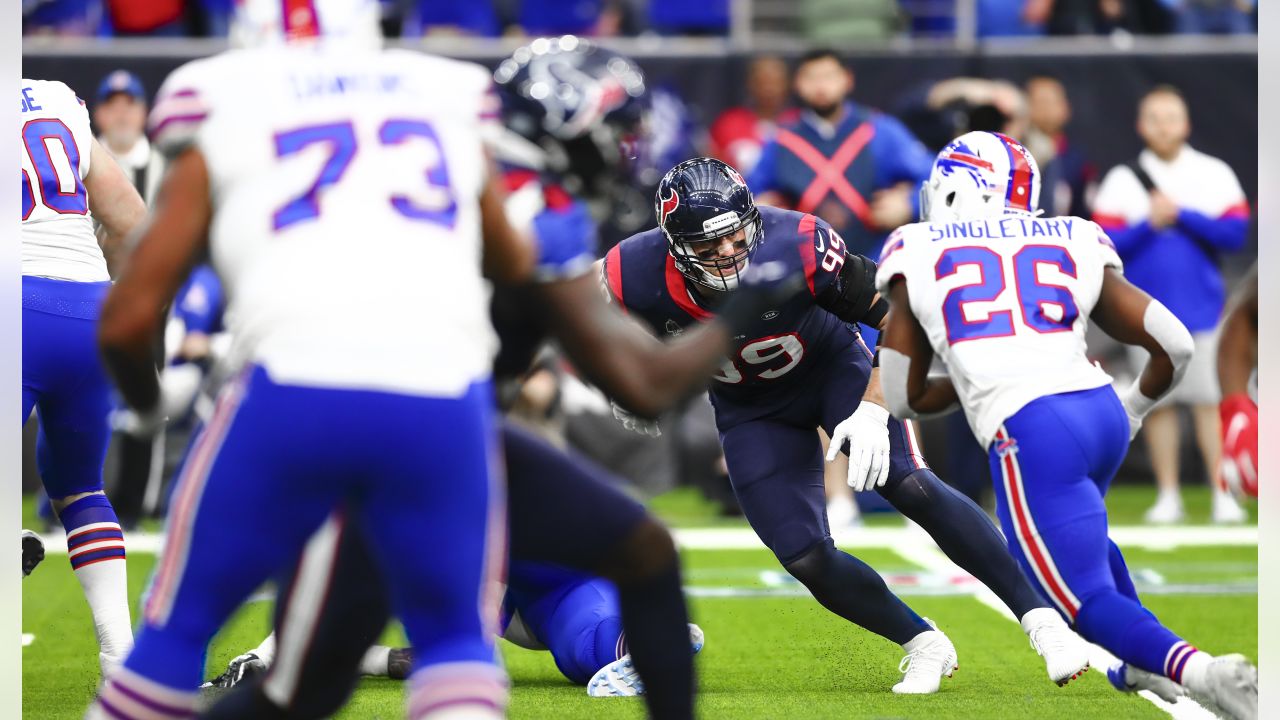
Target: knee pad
{"x":812,"y":564}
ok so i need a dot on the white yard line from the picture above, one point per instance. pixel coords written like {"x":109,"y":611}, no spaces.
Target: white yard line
{"x":1151,"y":538}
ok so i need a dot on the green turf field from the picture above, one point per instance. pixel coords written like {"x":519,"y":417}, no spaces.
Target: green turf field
{"x":771,"y":651}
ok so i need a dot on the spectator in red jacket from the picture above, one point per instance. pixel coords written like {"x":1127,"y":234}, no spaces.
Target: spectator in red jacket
{"x":739,"y":132}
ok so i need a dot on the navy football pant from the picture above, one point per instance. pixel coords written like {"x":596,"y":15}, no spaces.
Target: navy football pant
{"x":63,"y":377}
{"x":269,"y":469}
{"x":1052,"y":462}
{"x":776,"y":468}
{"x":563,"y":511}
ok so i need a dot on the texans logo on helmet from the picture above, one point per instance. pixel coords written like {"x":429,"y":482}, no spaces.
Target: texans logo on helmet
{"x":733,"y":174}
{"x":669,"y":204}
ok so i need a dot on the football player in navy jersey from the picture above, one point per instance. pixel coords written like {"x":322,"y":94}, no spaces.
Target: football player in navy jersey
{"x":799,"y":366}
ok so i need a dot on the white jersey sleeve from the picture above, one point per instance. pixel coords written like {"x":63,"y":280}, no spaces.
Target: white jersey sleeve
{"x":1005,"y":303}
{"x":58,"y":239}
{"x":346,"y":227}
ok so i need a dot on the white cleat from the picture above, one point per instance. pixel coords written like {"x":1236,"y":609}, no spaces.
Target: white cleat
{"x":620,"y":679}
{"x":1167,"y":511}
{"x":931,"y":657}
{"x":1066,"y":654}
{"x":617,"y":679}
{"x":1226,"y":510}
{"x":1231,"y":688}
{"x":1127,"y":678}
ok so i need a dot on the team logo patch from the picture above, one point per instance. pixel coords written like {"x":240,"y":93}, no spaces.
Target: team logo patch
{"x":673,"y":329}
{"x":769,"y":315}
{"x":1006,"y":447}
{"x":669,"y":204}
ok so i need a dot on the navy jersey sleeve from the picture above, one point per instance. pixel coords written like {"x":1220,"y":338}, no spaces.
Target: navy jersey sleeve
{"x":841,"y":282}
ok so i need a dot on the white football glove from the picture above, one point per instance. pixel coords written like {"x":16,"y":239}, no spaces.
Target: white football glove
{"x":867,"y":432}
{"x":139,"y":425}
{"x":1136,"y":406}
{"x":635,"y":423}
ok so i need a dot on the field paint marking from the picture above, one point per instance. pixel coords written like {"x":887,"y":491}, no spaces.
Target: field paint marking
{"x":1152,"y":538}
{"x":928,"y":556}
{"x":890,"y":538}
{"x":796,"y":590}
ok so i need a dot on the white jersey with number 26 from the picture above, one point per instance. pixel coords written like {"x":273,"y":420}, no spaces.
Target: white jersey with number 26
{"x":57,"y":233}
{"x":1005,"y":303}
{"x":345,"y":188}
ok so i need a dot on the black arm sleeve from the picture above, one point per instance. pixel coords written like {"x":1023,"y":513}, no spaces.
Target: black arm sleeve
{"x":851,"y":296}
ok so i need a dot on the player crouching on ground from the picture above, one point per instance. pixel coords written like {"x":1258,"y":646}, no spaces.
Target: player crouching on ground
{"x":1004,"y":298}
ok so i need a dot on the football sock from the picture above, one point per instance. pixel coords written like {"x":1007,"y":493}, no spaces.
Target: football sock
{"x":375,"y":661}
{"x":1133,"y":634}
{"x":655,"y":616}
{"x":126,"y":694}
{"x":95,"y":546}
{"x":966,"y":535}
{"x":849,"y":588}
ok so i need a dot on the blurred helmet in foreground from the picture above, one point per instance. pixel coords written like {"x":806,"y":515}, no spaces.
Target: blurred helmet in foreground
{"x":571,"y":108}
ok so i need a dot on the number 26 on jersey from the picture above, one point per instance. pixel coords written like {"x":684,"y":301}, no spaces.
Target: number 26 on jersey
{"x":1042,"y":307}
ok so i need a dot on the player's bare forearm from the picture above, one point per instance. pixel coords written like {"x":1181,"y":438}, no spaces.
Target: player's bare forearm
{"x":1121,"y":312}
{"x":1238,"y":344}
{"x":874,"y":392}
{"x":903,"y":334}
{"x":114,"y":203}
{"x":165,"y":249}
{"x":641,"y":373}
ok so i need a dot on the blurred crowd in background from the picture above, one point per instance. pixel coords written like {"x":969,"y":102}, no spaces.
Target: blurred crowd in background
{"x":797,"y":126}
{"x":813,"y":20}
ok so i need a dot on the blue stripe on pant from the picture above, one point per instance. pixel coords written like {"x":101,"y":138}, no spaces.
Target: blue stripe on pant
{"x":62,"y":376}
{"x":274,"y":462}
{"x":1052,"y":462}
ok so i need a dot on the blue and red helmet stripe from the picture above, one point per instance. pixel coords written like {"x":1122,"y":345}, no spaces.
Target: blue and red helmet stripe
{"x":1018,"y":192}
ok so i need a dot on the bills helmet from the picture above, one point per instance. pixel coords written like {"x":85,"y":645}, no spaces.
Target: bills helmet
{"x":570,"y":108}
{"x":354,"y":24}
{"x":980,"y":175}
{"x":701,"y":205}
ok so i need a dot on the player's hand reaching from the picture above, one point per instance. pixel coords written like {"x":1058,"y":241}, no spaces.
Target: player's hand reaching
{"x":867,"y":432}
{"x":635,"y":423}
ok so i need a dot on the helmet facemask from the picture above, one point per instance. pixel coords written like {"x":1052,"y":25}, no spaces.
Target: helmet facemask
{"x":698,"y":257}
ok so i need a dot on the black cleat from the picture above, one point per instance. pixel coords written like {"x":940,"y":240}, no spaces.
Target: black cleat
{"x":241,"y":668}
{"x":32,"y":551}
{"x":399,"y":663}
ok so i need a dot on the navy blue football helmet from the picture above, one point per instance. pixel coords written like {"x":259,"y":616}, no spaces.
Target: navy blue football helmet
{"x":701,"y":205}
{"x":570,"y":108}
